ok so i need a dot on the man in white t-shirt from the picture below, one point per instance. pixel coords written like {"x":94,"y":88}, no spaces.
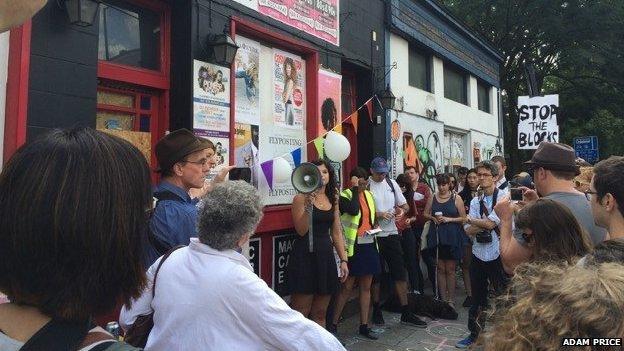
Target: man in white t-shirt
{"x":389,"y":204}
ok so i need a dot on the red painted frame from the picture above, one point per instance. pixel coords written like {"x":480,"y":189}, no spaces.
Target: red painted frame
{"x":157,"y":79}
{"x":278,"y":218}
{"x":16,"y":111}
{"x":348,"y":130}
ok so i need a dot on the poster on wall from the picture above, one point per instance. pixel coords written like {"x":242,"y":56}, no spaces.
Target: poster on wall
{"x":276,"y":141}
{"x":319,"y":18}
{"x":483,"y":146}
{"x":537,"y":120}
{"x":246,"y":143}
{"x":329,"y":97}
{"x":453,"y":151}
{"x":420,"y":144}
{"x":282,"y":247}
{"x":288,"y":90}
{"x":211,"y":100}
{"x":247,"y":70}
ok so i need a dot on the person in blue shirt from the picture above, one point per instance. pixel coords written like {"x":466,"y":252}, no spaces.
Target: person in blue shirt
{"x":184,"y":162}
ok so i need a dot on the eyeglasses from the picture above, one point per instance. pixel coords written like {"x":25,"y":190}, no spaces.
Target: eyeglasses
{"x":483,"y":175}
{"x":588,"y":194}
{"x":201,"y":162}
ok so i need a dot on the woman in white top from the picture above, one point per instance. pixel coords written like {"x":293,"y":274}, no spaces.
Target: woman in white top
{"x":207,"y":295}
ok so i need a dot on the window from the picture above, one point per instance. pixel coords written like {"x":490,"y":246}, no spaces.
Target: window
{"x":483,"y":96}
{"x":455,"y":85}
{"x":418,"y":70}
{"x":129,"y":35}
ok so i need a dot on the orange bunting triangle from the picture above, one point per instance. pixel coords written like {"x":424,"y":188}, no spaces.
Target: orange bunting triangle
{"x":354,"y":120}
{"x":369,"y":106}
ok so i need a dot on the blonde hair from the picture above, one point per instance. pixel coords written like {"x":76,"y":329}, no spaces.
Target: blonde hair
{"x":547,"y":303}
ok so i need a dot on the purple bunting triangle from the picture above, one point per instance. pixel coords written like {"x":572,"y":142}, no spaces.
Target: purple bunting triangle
{"x":296,"y":155}
{"x":267,"y":169}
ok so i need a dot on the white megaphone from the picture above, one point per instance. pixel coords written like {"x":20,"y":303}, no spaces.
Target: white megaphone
{"x":306,"y":178}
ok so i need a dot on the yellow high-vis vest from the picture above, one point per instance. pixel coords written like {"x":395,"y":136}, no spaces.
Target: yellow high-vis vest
{"x":350,"y":224}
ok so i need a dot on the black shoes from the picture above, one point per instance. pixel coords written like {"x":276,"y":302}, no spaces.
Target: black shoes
{"x":467,"y":301}
{"x":378,"y":317}
{"x":367,"y":332}
{"x":412,"y":319}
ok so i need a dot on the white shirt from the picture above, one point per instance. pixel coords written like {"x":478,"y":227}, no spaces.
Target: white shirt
{"x":386,"y":201}
{"x":212,"y":300}
{"x":488,"y":251}
{"x":501,"y":182}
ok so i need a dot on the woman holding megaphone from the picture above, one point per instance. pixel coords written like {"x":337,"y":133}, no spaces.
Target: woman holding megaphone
{"x":312,"y":272}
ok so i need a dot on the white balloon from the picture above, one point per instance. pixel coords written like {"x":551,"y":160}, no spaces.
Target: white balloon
{"x":337,"y":147}
{"x":281,"y":170}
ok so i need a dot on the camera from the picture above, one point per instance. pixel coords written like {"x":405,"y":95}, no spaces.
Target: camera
{"x":516,"y":194}
{"x":484,"y":237}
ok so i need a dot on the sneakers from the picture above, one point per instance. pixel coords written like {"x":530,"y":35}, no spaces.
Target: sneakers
{"x":467,"y":301}
{"x":465,"y":343}
{"x":378,"y":317}
{"x":412,"y":319}
{"x":367,"y":332}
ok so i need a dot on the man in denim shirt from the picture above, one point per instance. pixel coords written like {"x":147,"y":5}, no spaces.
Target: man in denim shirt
{"x":184,"y":162}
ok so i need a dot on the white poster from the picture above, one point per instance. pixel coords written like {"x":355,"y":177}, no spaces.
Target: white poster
{"x":211,"y":100}
{"x":247,"y":73}
{"x":288,"y":90}
{"x":537,"y":120}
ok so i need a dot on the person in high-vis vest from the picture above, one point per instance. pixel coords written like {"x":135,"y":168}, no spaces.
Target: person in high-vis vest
{"x":357,"y":208}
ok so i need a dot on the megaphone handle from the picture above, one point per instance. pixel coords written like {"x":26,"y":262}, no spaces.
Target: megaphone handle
{"x":311,"y":229}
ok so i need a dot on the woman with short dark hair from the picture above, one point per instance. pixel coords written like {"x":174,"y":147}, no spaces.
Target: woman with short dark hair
{"x":74,"y":205}
{"x":549,"y":230}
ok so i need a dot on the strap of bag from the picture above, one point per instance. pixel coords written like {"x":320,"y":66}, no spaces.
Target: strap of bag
{"x":504,"y":185}
{"x":58,"y":335}
{"x":160,"y":265}
{"x":483,"y":209}
{"x":391,"y":185}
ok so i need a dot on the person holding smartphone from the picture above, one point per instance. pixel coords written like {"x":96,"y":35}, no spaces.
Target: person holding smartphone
{"x":357,"y":209}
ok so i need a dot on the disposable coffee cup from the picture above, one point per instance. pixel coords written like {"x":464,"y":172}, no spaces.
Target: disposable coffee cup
{"x":438,"y":214}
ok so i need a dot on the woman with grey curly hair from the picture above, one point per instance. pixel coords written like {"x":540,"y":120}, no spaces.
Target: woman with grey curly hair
{"x":209,"y":298}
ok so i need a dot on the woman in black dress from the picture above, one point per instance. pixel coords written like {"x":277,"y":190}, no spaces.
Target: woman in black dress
{"x":313,"y":276}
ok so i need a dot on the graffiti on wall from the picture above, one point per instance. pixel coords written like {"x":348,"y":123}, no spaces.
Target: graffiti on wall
{"x":425,"y":153}
{"x":483,"y":151}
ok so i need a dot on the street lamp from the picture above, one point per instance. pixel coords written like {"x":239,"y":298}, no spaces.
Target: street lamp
{"x":80,"y":12}
{"x":223,"y":48}
{"x":386,"y":98}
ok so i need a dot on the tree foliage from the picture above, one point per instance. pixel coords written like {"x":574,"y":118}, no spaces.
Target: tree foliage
{"x":577,"y":49}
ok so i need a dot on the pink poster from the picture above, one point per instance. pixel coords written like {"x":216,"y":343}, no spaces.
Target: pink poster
{"x":316,"y":17}
{"x":329,"y":89}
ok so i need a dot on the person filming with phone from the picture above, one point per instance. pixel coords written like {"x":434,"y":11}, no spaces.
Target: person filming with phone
{"x":485,"y":267}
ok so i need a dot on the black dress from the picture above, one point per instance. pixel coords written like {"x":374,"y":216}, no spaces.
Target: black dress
{"x":314,"y":272}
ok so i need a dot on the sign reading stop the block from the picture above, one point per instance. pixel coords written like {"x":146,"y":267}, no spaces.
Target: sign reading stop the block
{"x":537,"y":120}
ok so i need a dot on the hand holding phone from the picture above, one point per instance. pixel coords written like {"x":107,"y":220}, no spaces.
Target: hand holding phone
{"x":240,"y":173}
{"x":516,"y":194}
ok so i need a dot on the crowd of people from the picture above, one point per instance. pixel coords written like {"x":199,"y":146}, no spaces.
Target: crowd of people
{"x":84,"y":233}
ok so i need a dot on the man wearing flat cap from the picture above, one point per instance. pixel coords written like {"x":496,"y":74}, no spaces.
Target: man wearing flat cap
{"x":553,"y":168}
{"x":184,"y":161}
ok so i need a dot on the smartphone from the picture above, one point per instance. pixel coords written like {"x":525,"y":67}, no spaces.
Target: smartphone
{"x":241,"y":173}
{"x":516,"y":194}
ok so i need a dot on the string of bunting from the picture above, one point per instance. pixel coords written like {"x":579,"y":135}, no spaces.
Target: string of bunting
{"x":267,"y":166}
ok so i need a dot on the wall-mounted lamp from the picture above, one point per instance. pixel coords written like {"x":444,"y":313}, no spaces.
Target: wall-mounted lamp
{"x":223,"y":48}
{"x":386,"y":98}
{"x":499,"y":148}
{"x":80,"y":12}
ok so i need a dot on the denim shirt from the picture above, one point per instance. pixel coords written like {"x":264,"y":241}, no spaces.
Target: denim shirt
{"x":174,"y":222}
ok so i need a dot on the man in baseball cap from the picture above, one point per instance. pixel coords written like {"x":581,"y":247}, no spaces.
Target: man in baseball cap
{"x":184,"y":161}
{"x":553,"y":168}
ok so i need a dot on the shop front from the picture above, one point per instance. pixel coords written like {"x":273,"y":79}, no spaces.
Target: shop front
{"x":141,"y":68}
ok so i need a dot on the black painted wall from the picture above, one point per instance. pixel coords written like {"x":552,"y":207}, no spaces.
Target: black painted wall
{"x":63,"y":73}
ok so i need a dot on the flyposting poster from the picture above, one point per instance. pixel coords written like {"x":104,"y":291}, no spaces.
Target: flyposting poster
{"x":247,"y":73}
{"x":329,"y":97}
{"x":319,"y":18}
{"x":537,"y":120}
{"x":288,"y":90}
{"x":246,"y":143}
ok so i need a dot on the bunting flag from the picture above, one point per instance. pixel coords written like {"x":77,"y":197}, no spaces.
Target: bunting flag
{"x":296,"y":155}
{"x":369,"y":106}
{"x":267,"y":169}
{"x":319,"y":144}
{"x":354,"y":120}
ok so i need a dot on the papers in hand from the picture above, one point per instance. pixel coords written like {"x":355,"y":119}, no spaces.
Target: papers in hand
{"x":373,"y":232}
